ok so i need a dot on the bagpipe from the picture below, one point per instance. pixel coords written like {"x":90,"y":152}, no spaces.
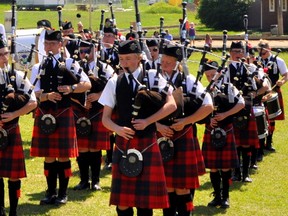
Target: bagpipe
{"x":192,"y":102}
{"x":15,"y":98}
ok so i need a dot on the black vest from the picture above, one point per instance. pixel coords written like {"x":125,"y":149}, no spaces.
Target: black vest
{"x":49,"y":83}
{"x":273,"y":77}
{"x":221,"y":104}
{"x":242,"y":79}
{"x":124,"y":98}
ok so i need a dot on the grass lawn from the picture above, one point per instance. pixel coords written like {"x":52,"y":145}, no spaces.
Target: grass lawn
{"x":150,"y":18}
{"x":267,"y":195}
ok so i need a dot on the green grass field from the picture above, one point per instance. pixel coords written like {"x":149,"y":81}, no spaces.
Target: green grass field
{"x":150,"y":18}
{"x":267,"y":195}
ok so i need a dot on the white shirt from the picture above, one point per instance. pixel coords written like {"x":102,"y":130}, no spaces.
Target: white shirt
{"x":2,"y":31}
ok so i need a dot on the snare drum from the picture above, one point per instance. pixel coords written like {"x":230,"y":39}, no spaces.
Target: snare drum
{"x":261,"y":121}
{"x":273,"y":105}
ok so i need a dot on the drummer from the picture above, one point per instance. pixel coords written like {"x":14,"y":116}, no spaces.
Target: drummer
{"x":275,"y":66}
{"x":246,"y":135}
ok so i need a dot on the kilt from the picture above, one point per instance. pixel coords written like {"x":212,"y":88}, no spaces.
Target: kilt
{"x":98,"y":139}
{"x":225,"y":158}
{"x":182,"y":170}
{"x":12,"y":159}
{"x":199,"y":157}
{"x":281,"y":103}
{"x":61,"y":143}
{"x":148,"y":190}
{"x":248,"y":136}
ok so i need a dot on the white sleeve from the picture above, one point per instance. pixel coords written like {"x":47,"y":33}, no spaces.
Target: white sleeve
{"x":281,"y":66}
{"x":190,"y":80}
{"x":27,"y":84}
{"x":108,"y":95}
{"x":84,"y":77}
{"x":34,"y":74}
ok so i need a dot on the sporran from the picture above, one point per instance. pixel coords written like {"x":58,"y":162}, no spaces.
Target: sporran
{"x":166,"y":147}
{"x":218,"y":138}
{"x":83,"y":126}
{"x":47,"y":124}
{"x":131,"y":163}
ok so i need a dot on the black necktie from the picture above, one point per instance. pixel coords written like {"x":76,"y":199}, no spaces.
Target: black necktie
{"x":153,"y":65}
{"x":238,"y":69}
{"x":131,"y":85}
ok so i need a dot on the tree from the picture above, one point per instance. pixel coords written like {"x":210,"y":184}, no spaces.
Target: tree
{"x":223,"y":14}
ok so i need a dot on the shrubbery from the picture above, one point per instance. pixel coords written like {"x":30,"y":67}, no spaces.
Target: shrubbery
{"x":223,"y":14}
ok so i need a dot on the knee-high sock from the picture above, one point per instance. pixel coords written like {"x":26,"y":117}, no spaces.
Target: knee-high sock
{"x":64,"y":172}
{"x":126,"y":212}
{"x":95,"y":159}
{"x":246,"y":155}
{"x":254,"y":153}
{"x":14,"y":194}
{"x":144,"y":212}
{"x":171,"y":211}
{"x":216,"y":183}
{"x":184,"y":204}
{"x":50,"y":171}
{"x":226,"y":176}
{"x":83,"y":164}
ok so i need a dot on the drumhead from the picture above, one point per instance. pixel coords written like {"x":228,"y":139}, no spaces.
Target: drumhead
{"x":24,"y":39}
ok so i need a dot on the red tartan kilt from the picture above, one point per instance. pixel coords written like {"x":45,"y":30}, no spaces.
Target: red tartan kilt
{"x":225,"y":158}
{"x":61,"y":143}
{"x":148,"y":190}
{"x":182,"y":171}
{"x":12,"y":159}
{"x":199,"y":156}
{"x":248,"y":136}
{"x":98,"y":139}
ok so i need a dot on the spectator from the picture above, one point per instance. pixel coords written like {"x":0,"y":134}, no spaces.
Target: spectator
{"x":192,"y":34}
{"x":168,"y":36}
{"x":208,"y":42}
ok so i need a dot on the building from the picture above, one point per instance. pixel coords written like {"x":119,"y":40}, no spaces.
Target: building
{"x":263,"y":15}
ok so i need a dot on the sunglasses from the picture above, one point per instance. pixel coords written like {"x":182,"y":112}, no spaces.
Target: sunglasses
{"x":86,"y":51}
{"x":155,"y":50}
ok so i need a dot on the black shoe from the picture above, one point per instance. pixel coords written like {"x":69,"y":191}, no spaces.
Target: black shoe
{"x":49,"y":199}
{"x":247,"y":179}
{"x":95,"y":186}
{"x":61,"y":200}
{"x":253,"y":166}
{"x":225,"y":203}
{"x":259,"y":157}
{"x":270,"y":149}
{"x":215,"y":202}
{"x":236,"y":178}
{"x":82,"y":186}
{"x":108,"y":166}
